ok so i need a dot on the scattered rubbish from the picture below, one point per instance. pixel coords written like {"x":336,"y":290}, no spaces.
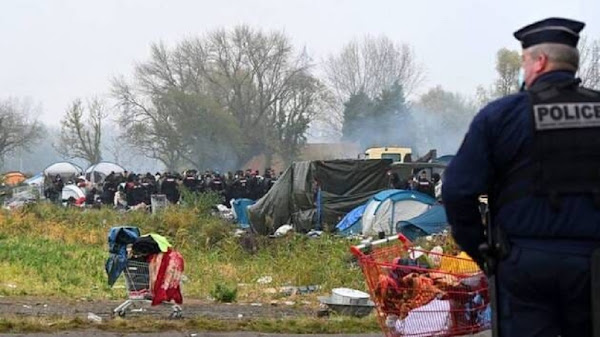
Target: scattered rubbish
{"x":256,"y":304}
{"x":240,"y":316}
{"x":10,"y":285}
{"x":94,"y":318}
{"x":274,"y":303}
{"x":264,"y":280}
{"x":283,"y":230}
{"x":301,"y":290}
{"x":346,"y":301}
{"x":26,"y":306}
{"x":289,"y":302}
{"x":314,"y":233}
{"x":193,"y":334}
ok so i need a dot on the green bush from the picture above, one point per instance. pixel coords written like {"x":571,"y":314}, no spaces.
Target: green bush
{"x":224,"y":293}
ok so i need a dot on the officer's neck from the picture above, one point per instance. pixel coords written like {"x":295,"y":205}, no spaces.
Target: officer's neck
{"x":552,"y":75}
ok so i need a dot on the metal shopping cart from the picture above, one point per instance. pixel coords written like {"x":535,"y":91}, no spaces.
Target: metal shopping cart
{"x":415,"y":299}
{"x":137,"y":280}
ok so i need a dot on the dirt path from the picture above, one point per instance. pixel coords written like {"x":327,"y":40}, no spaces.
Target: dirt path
{"x":26,"y":306}
{"x":92,"y":333}
{"x":40,"y":307}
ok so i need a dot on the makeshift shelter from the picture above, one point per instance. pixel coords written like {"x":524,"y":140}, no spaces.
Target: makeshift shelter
{"x":389,"y":207}
{"x":13,"y":178}
{"x":313,"y":193}
{"x":98,"y":172}
{"x":68,"y":171}
{"x":351,"y":223}
{"x":432,"y":221}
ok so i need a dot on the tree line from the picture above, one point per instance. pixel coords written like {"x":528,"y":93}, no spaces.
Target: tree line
{"x":228,"y":95}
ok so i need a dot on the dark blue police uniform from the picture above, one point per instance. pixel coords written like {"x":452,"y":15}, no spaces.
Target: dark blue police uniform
{"x":527,"y":155}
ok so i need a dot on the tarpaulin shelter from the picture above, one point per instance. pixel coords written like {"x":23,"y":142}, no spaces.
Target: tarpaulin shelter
{"x":389,"y":207}
{"x":312,"y":193}
{"x":14,"y":178}
{"x":433,"y":221}
{"x":98,"y":172}
{"x":351,"y":223}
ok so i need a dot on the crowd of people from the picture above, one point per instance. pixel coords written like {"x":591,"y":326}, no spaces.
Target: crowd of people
{"x":130,"y":190}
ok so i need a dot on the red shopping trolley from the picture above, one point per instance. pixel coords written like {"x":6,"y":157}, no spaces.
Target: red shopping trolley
{"x":415,"y":297}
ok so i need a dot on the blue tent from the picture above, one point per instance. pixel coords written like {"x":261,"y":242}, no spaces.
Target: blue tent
{"x":432,"y":221}
{"x":389,"y":207}
{"x":351,"y":223}
{"x":240,"y":211}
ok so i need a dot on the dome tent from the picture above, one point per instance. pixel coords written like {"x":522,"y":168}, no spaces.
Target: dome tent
{"x":98,"y":172}
{"x":389,"y":207}
{"x":65,"y":169}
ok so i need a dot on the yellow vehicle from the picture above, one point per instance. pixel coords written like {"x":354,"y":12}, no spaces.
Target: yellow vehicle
{"x":396,"y":154}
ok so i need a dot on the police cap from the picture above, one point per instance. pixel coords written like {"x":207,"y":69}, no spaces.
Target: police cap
{"x":551,"y":30}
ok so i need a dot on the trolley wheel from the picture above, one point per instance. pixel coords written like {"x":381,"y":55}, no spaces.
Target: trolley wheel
{"x":121,"y":313}
{"x":176,"y":315}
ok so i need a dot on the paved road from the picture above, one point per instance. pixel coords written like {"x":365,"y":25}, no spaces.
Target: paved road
{"x":92,"y":333}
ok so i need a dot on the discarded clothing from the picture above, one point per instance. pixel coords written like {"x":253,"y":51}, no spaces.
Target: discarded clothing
{"x":166,"y":270}
{"x":151,"y":244}
{"x":118,"y":239}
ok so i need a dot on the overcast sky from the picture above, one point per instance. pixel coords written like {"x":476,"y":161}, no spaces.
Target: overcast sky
{"x":53,"y":51}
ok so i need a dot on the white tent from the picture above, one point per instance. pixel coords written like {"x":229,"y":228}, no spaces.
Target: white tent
{"x":98,"y":172}
{"x":389,"y":207}
{"x":72,"y":191}
{"x":65,"y":169}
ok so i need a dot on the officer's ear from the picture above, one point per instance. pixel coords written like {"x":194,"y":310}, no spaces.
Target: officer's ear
{"x":540,"y":63}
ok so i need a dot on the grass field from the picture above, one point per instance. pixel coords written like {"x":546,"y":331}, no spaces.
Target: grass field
{"x":48,"y":250}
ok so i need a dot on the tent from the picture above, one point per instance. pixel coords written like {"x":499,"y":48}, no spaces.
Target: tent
{"x":311,"y":194}
{"x":36,"y":180}
{"x":389,"y":207}
{"x":432,"y":221}
{"x":98,"y":172}
{"x":352,"y":222}
{"x":72,"y":191}
{"x":240,"y":213}
{"x":65,"y":169}
{"x":14,"y":178}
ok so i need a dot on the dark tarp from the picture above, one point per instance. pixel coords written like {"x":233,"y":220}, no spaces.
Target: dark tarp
{"x":274,"y":207}
{"x":342,"y":184}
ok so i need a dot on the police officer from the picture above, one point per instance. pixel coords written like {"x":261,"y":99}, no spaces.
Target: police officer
{"x":535,"y":153}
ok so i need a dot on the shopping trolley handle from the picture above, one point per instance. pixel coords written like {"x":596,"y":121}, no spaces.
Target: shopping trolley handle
{"x":358,"y":250}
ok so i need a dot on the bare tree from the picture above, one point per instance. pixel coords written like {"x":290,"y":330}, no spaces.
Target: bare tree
{"x":18,"y":128}
{"x":369,"y":65}
{"x":372,"y":65}
{"x":147,"y":125}
{"x":81,"y":132}
{"x":589,"y":64}
{"x":240,"y":82}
